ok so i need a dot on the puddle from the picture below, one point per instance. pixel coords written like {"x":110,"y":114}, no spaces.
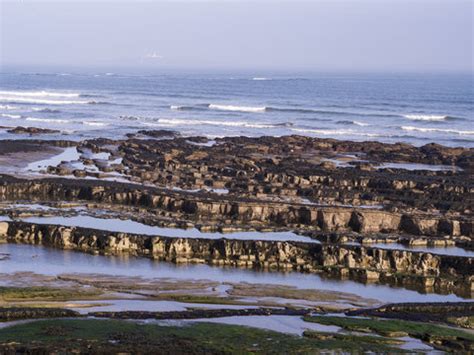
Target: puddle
{"x":282,"y":324}
{"x":344,"y":163}
{"x":102,"y":156}
{"x":416,"y":166}
{"x":217,"y":191}
{"x":295,"y":302}
{"x":49,"y":261}
{"x":415,"y":344}
{"x":451,"y":250}
{"x":72,"y":157}
{"x":206,"y":144}
{"x":69,"y":154}
{"x":146,"y":305}
{"x":99,"y":156}
{"x":203,"y":189}
{"x":128,"y":226}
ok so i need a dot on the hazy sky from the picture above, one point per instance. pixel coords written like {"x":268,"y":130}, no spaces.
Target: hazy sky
{"x":358,"y":35}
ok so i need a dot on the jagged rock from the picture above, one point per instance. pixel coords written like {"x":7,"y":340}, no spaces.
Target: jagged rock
{"x":32,"y":130}
{"x":15,"y":313}
{"x":443,"y":272}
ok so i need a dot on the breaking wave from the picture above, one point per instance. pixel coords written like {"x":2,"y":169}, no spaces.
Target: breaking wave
{"x":48,"y":120}
{"x":440,"y":130}
{"x":29,"y":100}
{"x":7,"y":115}
{"x":438,"y":118}
{"x":41,"y":93}
{"x":265,"y":109}
{"x":357,"y":123}
{"x":95,"y":123}
{"x":260,"y":109}
{"x":8,"y":107}
{"x":237,"y":108}
{"x":178,"y":122}
{"x":44,"y":97}
{"x":329,"y":132}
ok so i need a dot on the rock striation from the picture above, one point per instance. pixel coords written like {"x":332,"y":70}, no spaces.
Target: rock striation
{"x":202,"y":207}
{"x":439,"y":273}
{"x":446,"y":312}
{"x":333,"y":191}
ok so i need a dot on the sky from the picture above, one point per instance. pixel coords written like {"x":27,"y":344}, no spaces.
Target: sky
{"x":350,"y":35}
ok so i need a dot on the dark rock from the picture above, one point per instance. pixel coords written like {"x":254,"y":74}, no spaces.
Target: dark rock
{"x":15,"y":313}
{"x":200,"y":313}
{"x":32,"y":130}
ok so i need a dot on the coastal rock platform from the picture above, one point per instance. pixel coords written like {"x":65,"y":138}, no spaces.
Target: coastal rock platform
{"x":388,"y":215}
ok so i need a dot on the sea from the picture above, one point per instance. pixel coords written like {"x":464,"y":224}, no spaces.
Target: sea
{"x":411,"y":108}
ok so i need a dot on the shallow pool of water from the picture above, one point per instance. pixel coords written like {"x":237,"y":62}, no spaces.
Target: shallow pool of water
{"x":451,"y":250}
{"x":68,"y":154}
{"x":146,"y":305}
{"x":416,"y":344}
{"x":205,"y":188}
{"x":129,"y":226}
{"x":417,"y":166}
{"x":282,"y":324}
{"x":49,"y":261}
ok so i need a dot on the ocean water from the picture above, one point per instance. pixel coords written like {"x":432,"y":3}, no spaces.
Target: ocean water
{"x":411,"y":108}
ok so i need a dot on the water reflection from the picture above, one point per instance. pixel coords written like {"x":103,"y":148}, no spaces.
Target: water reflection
{"x":129,"y":226}
{"x":43,"y":260}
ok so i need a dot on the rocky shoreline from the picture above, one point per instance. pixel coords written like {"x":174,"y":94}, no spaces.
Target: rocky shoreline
{"x":435,"y":273}
{"x":352,"y":201}
{"x":336,"y":192}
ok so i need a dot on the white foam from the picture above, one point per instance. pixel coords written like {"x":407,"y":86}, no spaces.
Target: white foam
{"x":10,"y":116}
{"x":95,"y":123}
{"x":321,"y":131}
{"x":44,"y":109}
{"x":179,"y":122}
{"x":362,"y":124}
{"x":176,"y":107}
{"x":8,"y":107}
{"x":237,"y":108}
{"x":261,"y":79}
{"x":19,"y":99}
{"x":330,"y":132}
{"x":440,"y":130}
{"x":48,"y":120}
{"x":41,"y":93}
{"x":426,"y":117}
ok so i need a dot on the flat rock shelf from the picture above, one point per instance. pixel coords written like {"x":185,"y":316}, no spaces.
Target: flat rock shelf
{"x":311,"y":243}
